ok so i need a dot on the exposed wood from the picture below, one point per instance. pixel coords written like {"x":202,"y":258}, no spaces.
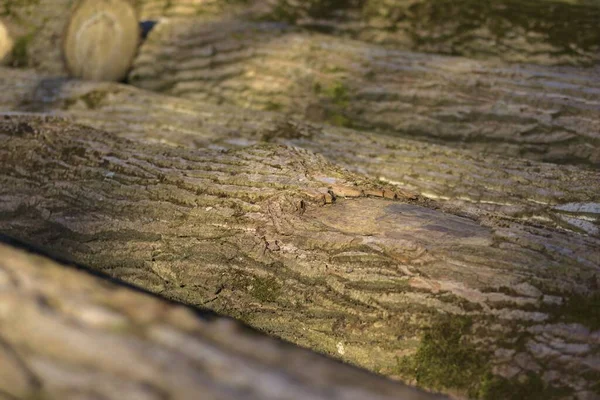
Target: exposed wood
{"x":540,"y":113}
{"x":67,"y":334}
{"x":101,"y":39}
{"x":255,"y":233}
{"x":6,"y":43}
{"x":547,"y":114}
{"x":534,"y":31}
{"x":564,"y":197}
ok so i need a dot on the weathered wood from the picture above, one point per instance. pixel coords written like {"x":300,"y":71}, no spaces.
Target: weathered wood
{"x":563,"y":197}
{"x":541,"y":113}
{"x":490,"y":292}
{"x":251,"y":233}
{"x":547,"y":114}
{"x":67,"y":334}
{"x":536,"y":31}
{"x":544,"y":31}
{"x":37,"y":28}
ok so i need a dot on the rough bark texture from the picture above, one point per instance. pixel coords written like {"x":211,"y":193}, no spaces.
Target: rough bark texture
{"x":558,"y":196}
{"x":543,"y":32}
{"x":538,"y":31}
{"x":66,"y":334}
{"x":468,"y":306}
{"x":541,"y":113}
{"x":462,"y":269}
{"x":36,"y":29}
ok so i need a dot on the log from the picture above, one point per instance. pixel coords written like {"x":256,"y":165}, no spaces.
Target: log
{"x":6,"y":43}
{"x":547,"y":32}
{"x":539,"y":113}
{"x":101,"y":39}
{"x":66,"y":333}
{"x":311,"y":253}
{"x":547,"y":114}
{"x":480,"y":185}
{"x":36,"y":29}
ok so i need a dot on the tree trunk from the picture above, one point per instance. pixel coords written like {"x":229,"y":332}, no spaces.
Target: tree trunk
{"x":541,"y":113}
{"x":67,"y":334}
{"x":306,"y":251}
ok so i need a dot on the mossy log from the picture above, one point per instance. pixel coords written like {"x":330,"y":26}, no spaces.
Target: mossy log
{"x":540,"y":113}
{"x":36,"y":29}
{"x":489,"y":291}
{"x":533,"y":31}
{"x":67,"y":334}
{"x":556,"y":196}
{"x":309,"y":252}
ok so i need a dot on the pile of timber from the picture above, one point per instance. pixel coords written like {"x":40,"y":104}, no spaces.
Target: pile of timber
{"x":296,"y":166}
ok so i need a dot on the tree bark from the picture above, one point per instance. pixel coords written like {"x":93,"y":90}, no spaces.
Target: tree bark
{"x":533,"y":31}
{"x":461,"y":269}
{"x":469,"y":182}
{"x":309,"y":252}
{"x":540,"y":113}
{"x":67,"y":334}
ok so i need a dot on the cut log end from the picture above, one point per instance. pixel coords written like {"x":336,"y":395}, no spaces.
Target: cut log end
{"x":6,"y":43}
{"x":101,"y":39}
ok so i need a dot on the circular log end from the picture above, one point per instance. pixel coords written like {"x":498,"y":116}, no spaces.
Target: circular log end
{"x":101,"y":39}
{"x":6,"y":43}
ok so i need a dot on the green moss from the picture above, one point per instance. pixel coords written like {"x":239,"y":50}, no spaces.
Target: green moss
{"x":445,"y":359}
{"x":7,"y":9}
{"x":336,"y":98}
{"x":273,"y":106}
{"x":339,"y":120}
{"x":20,"y":54}
{"x":265,"y":289}
{"x":584,"y":310}
{"x":530,"y":386}
{"x":93,"y":99}
{"x":571,"y":28}
{"x":338,"y":93}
